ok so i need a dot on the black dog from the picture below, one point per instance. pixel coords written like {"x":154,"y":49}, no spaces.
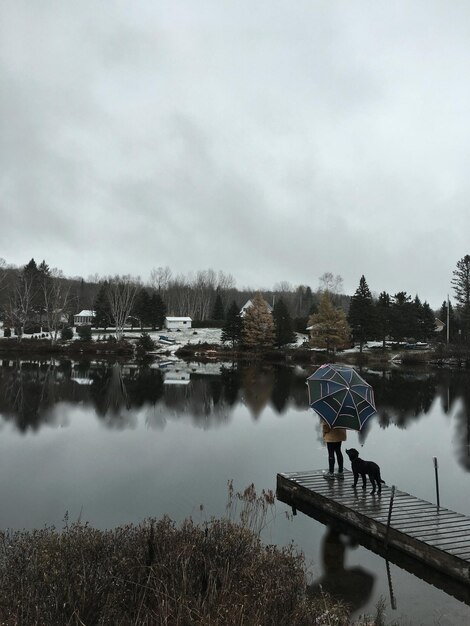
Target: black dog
{"x":365,"y":468}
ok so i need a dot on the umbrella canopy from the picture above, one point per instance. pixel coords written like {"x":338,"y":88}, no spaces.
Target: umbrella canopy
{"x":340,"y":396}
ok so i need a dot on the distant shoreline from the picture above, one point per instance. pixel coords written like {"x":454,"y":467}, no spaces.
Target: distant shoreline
{"x":451,"y":357}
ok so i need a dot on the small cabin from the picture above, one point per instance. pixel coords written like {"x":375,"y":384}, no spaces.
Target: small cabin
{"x":177,"y":323}
{"x":84,"y":318}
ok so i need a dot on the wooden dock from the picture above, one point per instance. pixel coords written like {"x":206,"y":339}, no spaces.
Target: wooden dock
{"x":437,"y":537}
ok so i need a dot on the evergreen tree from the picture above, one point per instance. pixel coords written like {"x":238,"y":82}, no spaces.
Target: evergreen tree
{"x":305,"y":297}
{"x":157,"y":311}
{"x":44,"y":280}
{"x":143,"y":308}
{"x":416,"y":315}
{"x":232,"y":329}
{"x":145,"y":343}
{"x":102,"y":308}
{"x":427,"y":322}
{"x":218,"y":312}
{"x":461,"y":285}
{"x":44,"y":269}
{"x":66,"y":334}
{"x":383,"y":316}
{"x":402,"y":316}
{"x":361,"y":316}
{"x":313,"y":308}
{"x":84,"y":332}
{"x":25,"y":302}
{"x":284,"y":332}
{"x":329,"y":328}
{"x":31,"y":269}
{"x":34,"y":276}
{"x":258,"y":325}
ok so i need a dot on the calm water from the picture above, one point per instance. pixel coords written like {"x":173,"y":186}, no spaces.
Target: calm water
{"x":113,"y":444}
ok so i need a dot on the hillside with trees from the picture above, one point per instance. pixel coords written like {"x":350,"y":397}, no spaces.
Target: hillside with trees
{"x":36,"y":296}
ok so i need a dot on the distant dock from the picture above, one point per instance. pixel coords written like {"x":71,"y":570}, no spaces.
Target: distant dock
{"x":435,"y":536}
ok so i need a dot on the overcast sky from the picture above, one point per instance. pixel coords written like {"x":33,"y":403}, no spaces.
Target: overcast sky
{"x":272,"y":140}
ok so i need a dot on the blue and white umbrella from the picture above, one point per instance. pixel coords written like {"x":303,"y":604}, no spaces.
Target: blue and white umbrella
{"x":340,"y":396}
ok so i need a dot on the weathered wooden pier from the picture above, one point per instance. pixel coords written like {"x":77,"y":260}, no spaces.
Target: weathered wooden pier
{"x":435,"y":536}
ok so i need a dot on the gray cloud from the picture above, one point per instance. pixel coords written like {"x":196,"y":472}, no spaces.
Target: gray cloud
{"x":270,"y":141}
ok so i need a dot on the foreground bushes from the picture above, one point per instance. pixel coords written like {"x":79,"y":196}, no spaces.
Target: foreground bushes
{"x":153,"y":573}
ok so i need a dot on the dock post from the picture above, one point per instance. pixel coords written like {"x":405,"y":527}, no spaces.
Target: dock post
{"x":392,"y":495}
{"x":437,"y":481}
{"x":393,"y":602}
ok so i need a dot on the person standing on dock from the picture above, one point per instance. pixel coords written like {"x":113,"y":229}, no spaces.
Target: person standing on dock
{"x":333,"y":437}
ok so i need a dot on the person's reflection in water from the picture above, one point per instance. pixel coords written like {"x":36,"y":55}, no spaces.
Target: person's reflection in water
{"x":351,"y":585}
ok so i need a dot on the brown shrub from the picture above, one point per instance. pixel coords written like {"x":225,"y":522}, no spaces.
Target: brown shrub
{"x":152,"y":573}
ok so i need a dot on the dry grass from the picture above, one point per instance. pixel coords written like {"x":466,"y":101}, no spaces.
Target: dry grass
{"x":159,"y":573}
{"x":153,"y":573}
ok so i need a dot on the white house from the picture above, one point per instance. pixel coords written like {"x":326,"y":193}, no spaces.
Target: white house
{"x":177,"y":323}
{"x":84,"y":318}
{"x":439,"y":325}
{"x":249,"y":303}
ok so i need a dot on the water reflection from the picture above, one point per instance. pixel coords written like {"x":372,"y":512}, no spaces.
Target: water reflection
{"x":340,"y":537}
{"x":30,"y":389}
{"x":228,"y":421}
{"x":352,"y":585}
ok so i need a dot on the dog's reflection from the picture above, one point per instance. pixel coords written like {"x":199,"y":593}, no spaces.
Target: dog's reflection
{"x":352,"y":585}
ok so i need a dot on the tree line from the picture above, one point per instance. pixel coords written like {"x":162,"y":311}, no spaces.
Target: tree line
{"x":398,"y":317}
{"x":36,"y":295}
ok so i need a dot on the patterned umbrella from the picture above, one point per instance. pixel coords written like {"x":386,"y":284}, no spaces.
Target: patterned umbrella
{"x":340,"y":396}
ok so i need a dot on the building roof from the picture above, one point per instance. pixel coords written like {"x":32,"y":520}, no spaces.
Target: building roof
{"x":439,"y":324}
{"x":178,"y":319}
{"x":249,"y":303}
{"x":86,"y":313}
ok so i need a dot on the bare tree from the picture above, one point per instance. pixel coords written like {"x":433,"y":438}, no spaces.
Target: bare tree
{"x":56,"y":295}
{"x":204,"y":287}
{"x":3,"y":273}
{"x":177,"y":296}
{"x":331,"y":283}
{"x":160,"y":278}
{"x":225,"y":281}
{"x":122,"y":291}
{"x":21,"y":301}
{"x":283,"y":287}
{"x":3,"y":285}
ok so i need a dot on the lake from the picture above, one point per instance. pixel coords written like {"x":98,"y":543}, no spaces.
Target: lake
{"x":115,"y":443}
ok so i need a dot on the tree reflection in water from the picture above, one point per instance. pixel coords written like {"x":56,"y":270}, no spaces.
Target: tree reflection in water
{"x":112,"y":400}
{"x":29,"y":391}
{"x":257,"y":386}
